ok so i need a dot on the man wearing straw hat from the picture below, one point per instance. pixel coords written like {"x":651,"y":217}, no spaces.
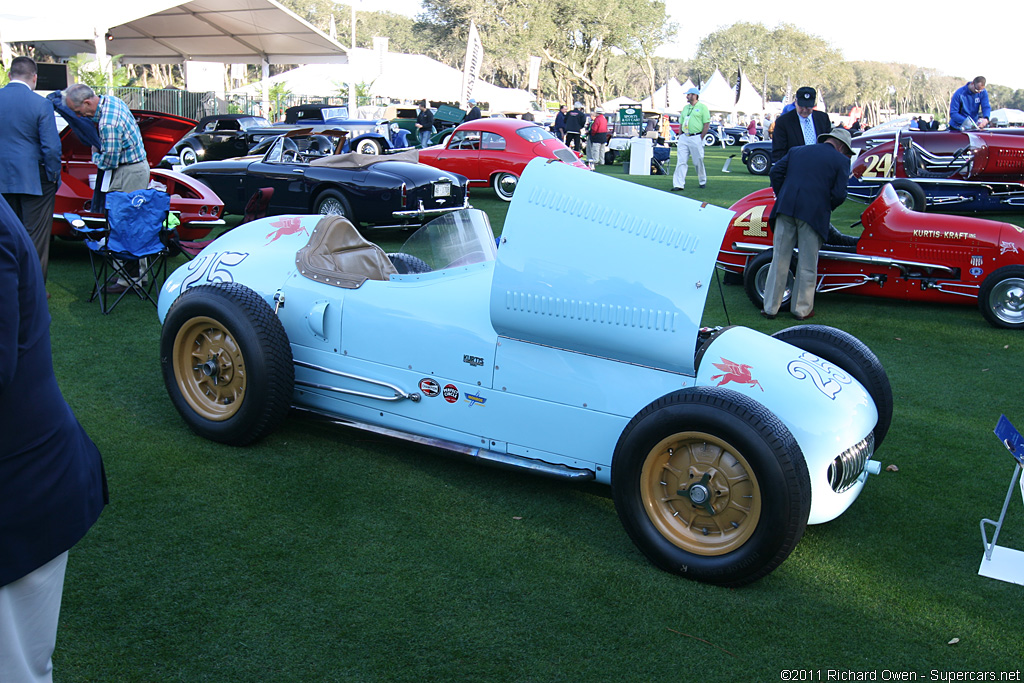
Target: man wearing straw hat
{"x":809,"y":183}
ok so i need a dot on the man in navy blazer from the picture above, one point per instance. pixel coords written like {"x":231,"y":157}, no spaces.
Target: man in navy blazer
{"x":29,"y":155}
{"x":809,"y":183}
{"x":799,"y":125}
{"x":52,"y":485}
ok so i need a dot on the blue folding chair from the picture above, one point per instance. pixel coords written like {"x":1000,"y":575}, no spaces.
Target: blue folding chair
{"x":131,"y":250}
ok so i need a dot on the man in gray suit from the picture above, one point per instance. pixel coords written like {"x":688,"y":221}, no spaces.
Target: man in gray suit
{"x":29,"y":154}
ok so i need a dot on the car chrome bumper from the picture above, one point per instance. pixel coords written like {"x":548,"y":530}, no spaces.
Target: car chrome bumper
{"x":98,"y":220}
{"x":423,"y":212}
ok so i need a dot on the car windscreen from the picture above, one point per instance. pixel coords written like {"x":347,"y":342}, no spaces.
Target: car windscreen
{"x":460,"y":238}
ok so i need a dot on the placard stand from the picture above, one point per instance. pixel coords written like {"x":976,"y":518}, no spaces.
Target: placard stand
{"x":641,"y":151}
{"x":1004,"y":564}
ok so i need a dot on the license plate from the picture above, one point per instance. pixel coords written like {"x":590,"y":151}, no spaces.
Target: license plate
{"x":443,"y":190}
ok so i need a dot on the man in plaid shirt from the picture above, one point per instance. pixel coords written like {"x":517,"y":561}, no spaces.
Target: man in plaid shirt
{"x":122,"y":153}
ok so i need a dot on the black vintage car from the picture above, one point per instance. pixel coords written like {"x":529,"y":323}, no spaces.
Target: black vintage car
{"x":307,"y":176}
{"x":758,"y":157}
{"x":221,"y":136}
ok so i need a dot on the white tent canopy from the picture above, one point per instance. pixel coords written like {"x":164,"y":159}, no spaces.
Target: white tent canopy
{"x":395,"y":76}
{"x":1007,"y":117}
{"x":618,"y":103}
{"x":154,"y":31}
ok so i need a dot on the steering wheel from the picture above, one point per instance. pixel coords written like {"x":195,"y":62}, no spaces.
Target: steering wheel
{"x":959,"y":153}
{"x":289,"y":151}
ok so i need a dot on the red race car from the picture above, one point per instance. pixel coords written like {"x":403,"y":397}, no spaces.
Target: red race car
{"x":494,"y":152}
{"x":902,"y":254}
{"x":943,"y":170}
{"x":196,"y":206}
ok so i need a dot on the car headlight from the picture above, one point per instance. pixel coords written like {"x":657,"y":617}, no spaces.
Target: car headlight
{"x":382,"y":129}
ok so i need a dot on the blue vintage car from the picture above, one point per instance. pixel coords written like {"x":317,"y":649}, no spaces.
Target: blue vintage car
{"x":575,"y":350}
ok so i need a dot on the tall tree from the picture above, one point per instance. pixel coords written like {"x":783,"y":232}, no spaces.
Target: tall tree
{"x":577,"y":38}
{"x":775,"y":59}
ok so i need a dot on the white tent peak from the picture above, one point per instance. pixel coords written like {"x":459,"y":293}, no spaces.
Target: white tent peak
{"x":669,"y":97}
{"x":750,"y":101}
{"x":717,"y":94}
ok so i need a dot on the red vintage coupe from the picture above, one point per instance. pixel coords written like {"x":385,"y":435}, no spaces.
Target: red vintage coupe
{"x":196,"y":206}
{"x":494,"y":152}
{"x":902,"y":254}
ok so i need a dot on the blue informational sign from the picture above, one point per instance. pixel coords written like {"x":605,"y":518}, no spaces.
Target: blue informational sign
{"x":1011,"y":438}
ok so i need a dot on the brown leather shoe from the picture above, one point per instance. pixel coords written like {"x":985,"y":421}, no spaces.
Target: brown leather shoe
{"x":114,"y":288}
{"x":805,"y":317}
{"x":768,"y":315}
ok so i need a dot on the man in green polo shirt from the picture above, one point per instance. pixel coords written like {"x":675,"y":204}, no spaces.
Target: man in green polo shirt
{"x":694,"y":121}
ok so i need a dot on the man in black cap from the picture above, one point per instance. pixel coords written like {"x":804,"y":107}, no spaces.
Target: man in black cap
{"x":809,"y":183}
{"x":800,"y":126}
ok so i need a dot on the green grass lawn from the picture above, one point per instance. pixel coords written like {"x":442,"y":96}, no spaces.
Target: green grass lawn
{"x":324,"y":554}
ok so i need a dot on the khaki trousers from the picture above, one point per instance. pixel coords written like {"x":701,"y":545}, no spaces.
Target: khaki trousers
{"x":789,"y":233}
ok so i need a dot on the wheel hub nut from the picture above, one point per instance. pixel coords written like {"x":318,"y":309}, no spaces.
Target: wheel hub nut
{"x":209,"y":368}
{"x":698,"y":494}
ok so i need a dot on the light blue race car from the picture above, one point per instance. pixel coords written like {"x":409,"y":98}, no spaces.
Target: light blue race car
{"x":574,"y":350}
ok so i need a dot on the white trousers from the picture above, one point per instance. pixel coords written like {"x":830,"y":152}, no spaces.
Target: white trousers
{"x":792,"y":232}
{"x":29,"y":608}
{"x":689,"y":146}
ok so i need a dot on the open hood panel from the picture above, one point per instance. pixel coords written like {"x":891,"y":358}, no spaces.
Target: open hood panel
{"x":160,"y":132}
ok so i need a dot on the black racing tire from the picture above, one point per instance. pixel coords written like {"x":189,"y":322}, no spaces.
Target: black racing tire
{"x":759,"y":163}
{"x":709,"y":139}
{"x":853,"y":357}
{"x":755,"y":278}
{"x":332,"y":203}
{"x":188,"y":155}
{"x":227,"y":364}
{"x":910,"y":194}
{"x":407,"y":264}
{"x":710,"y":485}
{"x":504,"y":185}
{"x":368,"y":146}
{"x":1001,"y":298}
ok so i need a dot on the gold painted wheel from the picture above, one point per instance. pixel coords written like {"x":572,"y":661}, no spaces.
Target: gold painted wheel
{"x":209,"y":368}
{"x":700,"y":493}
{"x":710,"y":485}
{"x":227,"y":363}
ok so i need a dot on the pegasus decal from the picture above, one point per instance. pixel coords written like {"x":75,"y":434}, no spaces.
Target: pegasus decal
{"x":292,"y":225}
{"x":734,"y":372}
